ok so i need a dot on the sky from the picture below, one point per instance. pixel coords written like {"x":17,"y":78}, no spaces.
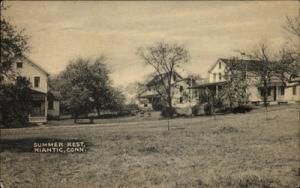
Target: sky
{"x":64,"y":30}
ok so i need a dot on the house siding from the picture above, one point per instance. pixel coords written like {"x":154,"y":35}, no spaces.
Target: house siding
{"x":29,"y":71}
{"x":55,"y":112}
{"x":289,"y":96}
{"x":216,"y":71}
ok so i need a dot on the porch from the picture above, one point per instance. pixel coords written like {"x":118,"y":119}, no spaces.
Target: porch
{"x":38,"y":112}
{"x":212,"y":88}
{"x":276,"y":92}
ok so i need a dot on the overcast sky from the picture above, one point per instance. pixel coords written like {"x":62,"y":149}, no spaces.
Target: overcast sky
{"x":61,"y":31}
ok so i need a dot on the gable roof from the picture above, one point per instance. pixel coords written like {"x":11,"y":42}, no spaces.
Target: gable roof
{"x":157,"y":78}
{"x":252,"y":65}
{"x":24,"y":58}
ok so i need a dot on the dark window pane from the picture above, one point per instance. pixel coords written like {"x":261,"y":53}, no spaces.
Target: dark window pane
{"x":294,"y":90}
{"x":282,"y":90}
{"x":36,"y":81}
{"x":181,"y":88}
{"x":19,"y":64}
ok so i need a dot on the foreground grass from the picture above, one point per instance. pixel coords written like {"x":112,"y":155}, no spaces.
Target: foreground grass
{"x":242,"y":150}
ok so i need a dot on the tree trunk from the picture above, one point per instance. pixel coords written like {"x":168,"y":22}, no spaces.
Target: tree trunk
{"x":170,"y":111}
{"x":265,"y":92}
{"x":98,"y":112}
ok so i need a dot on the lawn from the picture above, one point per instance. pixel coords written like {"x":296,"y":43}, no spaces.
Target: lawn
{"x":234,"y":150}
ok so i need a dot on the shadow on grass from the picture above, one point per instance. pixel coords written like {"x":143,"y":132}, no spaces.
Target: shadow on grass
{"x":27,"y":144}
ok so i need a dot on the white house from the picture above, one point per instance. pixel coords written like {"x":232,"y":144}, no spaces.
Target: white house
{"x":181,"y":94}
{"x":38,"y":78}
{"x":277,"y":91}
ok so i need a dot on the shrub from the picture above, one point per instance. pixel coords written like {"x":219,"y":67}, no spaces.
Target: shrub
{"x":242,"y":109}
{"x":208,"y":109}
{"x":15,"y":104}
{"x":218,"y":102}
{"x":157,"y":105}
{"x":168,"y":112}
{"x":197,"y":109}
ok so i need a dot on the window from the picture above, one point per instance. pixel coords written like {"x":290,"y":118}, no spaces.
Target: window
{"x":36,"y":81}
{"x":220,"y":76}
{"x":215,"y":77}
{"x":220,"y":66}
{"x":181,"y":100}
{"x":181,"y":88}
{"x":174,"y":77}
{"x":19,"y":65}
{"x":145,"y":105}
{"x":50,"y":105}
{"x":282,"y":90}
{"x":294,"y":90}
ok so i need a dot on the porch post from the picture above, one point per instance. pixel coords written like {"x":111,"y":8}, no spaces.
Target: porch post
{"x":46,"y":107}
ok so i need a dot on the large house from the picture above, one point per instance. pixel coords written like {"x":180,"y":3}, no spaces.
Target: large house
{"x":181,"y":94}
{"x":38,"y":78}
{"x":278,"y":92}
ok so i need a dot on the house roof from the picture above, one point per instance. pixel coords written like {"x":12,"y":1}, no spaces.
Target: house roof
{"x":54,"y":95}
{"x":37,"y":95}
{"x":35,"y":65}
{"x":203,"y":85}
{"x":252,"y":65}
{"x":157,"y":78}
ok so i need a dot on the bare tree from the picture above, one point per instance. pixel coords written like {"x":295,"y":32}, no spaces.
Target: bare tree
{"x":289,"y":56}
{"x":164,"y":58}
{"x":288,"y":65}
{"x":234,"y":90}
{"x":265,"y":67}
{"x":292,"y":25}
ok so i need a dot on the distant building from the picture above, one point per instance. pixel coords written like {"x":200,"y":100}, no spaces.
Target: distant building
{"x":151,"y":99}
{"x":278,"y":92}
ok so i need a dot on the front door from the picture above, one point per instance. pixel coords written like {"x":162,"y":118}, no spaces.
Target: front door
{"x":37,"y":109}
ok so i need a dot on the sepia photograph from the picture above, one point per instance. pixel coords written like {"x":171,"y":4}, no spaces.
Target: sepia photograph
{"x":150,"y":94}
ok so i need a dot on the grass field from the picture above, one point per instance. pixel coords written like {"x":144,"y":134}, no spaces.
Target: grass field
{"x":234,"y":150}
